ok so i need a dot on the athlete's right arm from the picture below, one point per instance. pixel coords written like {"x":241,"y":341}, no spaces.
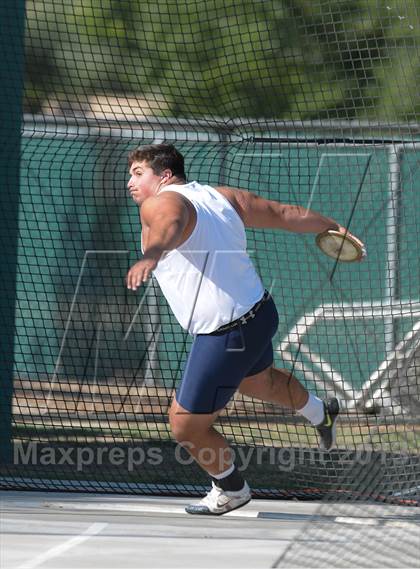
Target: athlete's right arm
{"x":260,"y":213}
{"x":166,"y":218}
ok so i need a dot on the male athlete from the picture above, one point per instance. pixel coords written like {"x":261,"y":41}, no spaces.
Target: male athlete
{"x":193,"y":240}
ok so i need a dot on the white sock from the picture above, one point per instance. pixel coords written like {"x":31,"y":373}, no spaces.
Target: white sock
{"x":225,"y":473}
{"x":313,"y":410}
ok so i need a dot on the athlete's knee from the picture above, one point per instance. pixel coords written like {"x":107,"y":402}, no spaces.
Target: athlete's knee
{"x":186,"y":426}
{"x":182,"y":425}
{"x":183,"y":429}
{"x":179,"y":427}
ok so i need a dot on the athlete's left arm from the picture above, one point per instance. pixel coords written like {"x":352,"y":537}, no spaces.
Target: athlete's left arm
{"x":258,"y":212}
{"x":166,"y":218}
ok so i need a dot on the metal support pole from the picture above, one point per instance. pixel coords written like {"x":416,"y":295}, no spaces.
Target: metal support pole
{"x":12,"y":16}
{"x":392,"y":240}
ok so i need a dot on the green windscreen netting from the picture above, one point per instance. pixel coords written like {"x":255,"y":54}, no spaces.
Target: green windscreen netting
{"x":308,"y":102}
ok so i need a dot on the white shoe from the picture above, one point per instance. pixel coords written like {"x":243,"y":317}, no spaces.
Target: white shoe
{"x":218,"y":501}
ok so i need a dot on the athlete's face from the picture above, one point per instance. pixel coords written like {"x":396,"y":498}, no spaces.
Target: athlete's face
{"x":143,"y":182}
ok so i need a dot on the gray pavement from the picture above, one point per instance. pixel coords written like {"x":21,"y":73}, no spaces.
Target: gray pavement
{"x":78,"y":531}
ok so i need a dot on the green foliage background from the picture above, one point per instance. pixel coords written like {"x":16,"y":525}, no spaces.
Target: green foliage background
{"x":296,"y":59}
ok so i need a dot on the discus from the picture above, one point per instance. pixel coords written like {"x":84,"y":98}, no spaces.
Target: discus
{"x":340,"y":246}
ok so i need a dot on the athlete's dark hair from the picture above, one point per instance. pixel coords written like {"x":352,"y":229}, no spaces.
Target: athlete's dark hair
{"x":159,"y":157}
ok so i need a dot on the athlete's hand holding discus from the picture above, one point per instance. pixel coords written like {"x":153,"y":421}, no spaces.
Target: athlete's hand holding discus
{"x":341,"y":245}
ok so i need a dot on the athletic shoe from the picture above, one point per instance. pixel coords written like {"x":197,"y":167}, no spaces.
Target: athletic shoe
{"x":326,"y":429}
{"x":218,"y":501}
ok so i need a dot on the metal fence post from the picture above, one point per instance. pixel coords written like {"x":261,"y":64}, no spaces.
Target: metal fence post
{"x":12,"y":17}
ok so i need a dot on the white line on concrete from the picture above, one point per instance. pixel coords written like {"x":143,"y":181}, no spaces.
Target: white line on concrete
{"x":57,"y":550}
{"x":378,"y":522}
{"x":357,"y":521}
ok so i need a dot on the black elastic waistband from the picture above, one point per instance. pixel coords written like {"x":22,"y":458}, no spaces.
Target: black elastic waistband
{"x":244,"y":319}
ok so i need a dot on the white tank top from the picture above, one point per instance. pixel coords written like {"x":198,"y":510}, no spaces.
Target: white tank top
{"x":209,"y":280}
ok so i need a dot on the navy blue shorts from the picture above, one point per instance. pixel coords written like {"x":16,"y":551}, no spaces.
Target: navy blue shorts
{"x":218,"y":363}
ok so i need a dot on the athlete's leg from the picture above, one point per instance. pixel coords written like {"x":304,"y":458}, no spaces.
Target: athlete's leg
{"x":196,"y":433}
{"x":210,"y":449}
{"x":275,"y":386}
{"x":279,"y":386}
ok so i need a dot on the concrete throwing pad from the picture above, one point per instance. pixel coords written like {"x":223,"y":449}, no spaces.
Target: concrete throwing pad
{"x":74,"y":530}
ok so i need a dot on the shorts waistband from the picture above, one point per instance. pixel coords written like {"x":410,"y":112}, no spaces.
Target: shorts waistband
{"x":244,"y":319}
